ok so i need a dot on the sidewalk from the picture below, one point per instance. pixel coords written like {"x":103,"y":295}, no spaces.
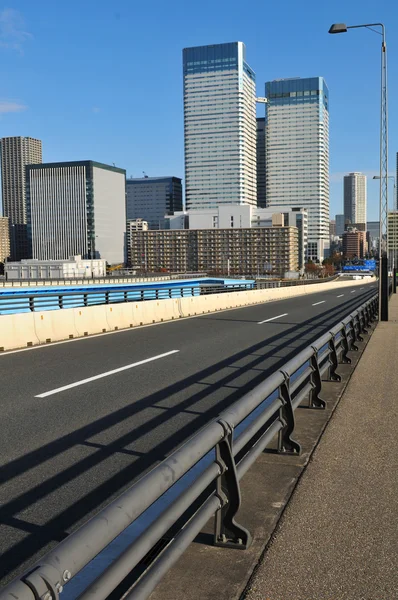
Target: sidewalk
{"x":338,"y":537}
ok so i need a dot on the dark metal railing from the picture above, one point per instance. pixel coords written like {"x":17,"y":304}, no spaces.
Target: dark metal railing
{"x":204,"y":474}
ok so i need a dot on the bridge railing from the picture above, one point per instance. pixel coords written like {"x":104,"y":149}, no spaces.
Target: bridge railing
{"x":172,"y":503}
{"x":15,"y":302}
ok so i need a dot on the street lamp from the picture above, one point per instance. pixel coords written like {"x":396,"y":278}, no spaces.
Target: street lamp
{"x":383,"y":260}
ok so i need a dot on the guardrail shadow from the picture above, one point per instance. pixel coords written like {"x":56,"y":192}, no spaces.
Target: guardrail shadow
{"x":214,"y":397}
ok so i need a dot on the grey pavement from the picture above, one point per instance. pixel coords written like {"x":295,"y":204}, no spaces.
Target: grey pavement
{"x":65,"y":455}
{"x":337,"y":539}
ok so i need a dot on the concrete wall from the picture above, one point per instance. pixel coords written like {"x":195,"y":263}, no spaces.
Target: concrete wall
{"x":29,"y":329}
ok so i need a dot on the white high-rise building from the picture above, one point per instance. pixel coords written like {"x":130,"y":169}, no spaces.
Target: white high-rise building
{"x":355,"y":199}
{"x":219,"y":126}
{"x":76,"y":208}
{"x":297,"y":153}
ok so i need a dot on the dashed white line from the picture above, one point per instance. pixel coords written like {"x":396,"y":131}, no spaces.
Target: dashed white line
{"x":361,"y":288}
{"x":272,"y":319}
{"x":341,"y":295}
{"x":119,"y":370}
{"x":353,"y":291}
{"x":321,"y":302}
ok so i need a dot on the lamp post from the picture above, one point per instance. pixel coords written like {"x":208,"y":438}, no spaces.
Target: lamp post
{"x":383,"y":208}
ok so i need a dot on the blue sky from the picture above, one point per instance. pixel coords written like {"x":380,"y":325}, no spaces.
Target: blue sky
{"x":102,"y":79}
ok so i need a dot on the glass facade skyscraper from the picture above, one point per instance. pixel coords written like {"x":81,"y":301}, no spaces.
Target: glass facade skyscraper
{"x":219,"y":126}
{"x":297,"y":153}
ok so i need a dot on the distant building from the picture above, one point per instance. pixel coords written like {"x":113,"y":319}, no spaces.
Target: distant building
{"x":219,"y":126}
{"x":355,"y":199}
{"x":261,"y":164}
{"x":73,"y":268}
{"x":340,"y":228}
{"x":76,"y":208}
{"x":132,"y":226}
{"x":230,"y":216}
{"x":150,"y":198}
{"x":396,"y":184}
{"x":332,"y":228}
{"x":354,"y":243}
{"x":373,"y":228}
{"x":297,"y":153}
{"x":4,"y":239}
{"x":392,"y":237}
{"x":252,"y":251}
{"x":16,"y":153}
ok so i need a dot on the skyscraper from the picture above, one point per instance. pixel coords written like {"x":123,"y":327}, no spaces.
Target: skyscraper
{"x":16,"y":153}
{"x":355,"y":198}
{"x":261,"y":165}
{"x":76,"y":208}
{"x":151,"y":198}
{"x":297,"y":153}
{"x":340,"y":225}
{"x":219,"y":126}
{"x":396,"y":185}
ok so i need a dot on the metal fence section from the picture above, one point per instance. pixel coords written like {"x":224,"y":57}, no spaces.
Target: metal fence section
{"x":26,"y":301}
{"x":214,"y":460}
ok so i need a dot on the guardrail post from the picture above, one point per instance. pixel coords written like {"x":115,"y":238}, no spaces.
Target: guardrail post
{"x":125,"y":295}
{"x":228,"y":533}
{"x":32,"y":303}
{"x":316,"y":382}
{"x":354,"y":336}
{"x":85,"y":300}
{"x":346,"y":347}
{"x":364,"y":324}
{"x":286,"y":414}
{"x":333,"y":359}
{"x":60,"y":301}
{"x":357,"y":318}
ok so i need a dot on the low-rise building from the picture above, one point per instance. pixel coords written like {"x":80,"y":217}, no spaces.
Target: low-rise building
{"x":230,"y":216}
{"x":241,"y":251}
{"x":4,"y":239}
{"x":74,"y":268}
{"x":354,"y":243}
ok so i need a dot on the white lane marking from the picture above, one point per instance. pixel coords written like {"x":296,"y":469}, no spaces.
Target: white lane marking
{"x":272,"y":319}
{"x":321,"y":302}
{"x":361,"y":288}
{"x":353,"y":291}
{"x":119,"y":370}
{"x":341,"y":295}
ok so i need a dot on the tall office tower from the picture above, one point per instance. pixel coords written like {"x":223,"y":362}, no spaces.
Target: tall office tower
{"x":261,"y":165}
{"x":16,"y":153}
{"x":340,"y":225}
{"x":355,"y":199}
{"x":219,"y":126}
{"x":297,"y":153}
{"x":396,"y":185}
{"x":151,"y":198}
{"x":76,"y":208}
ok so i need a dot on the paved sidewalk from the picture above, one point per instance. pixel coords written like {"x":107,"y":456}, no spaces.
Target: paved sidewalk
{"x":338,"y":538}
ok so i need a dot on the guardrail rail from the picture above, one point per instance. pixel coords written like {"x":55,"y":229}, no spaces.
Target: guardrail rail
{"x":200,"y":479}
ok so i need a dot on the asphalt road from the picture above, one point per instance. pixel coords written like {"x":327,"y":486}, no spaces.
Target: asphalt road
{"x":82,"y":419}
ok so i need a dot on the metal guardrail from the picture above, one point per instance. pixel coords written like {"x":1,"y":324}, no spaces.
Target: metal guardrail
{"x":263,"y":283}
{"x":50,"y":300}
{"x":109,"y":278}
{"x":214,"y":460}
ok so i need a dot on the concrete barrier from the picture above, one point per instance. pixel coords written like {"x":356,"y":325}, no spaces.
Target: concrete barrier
{"x":29,"y":329}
